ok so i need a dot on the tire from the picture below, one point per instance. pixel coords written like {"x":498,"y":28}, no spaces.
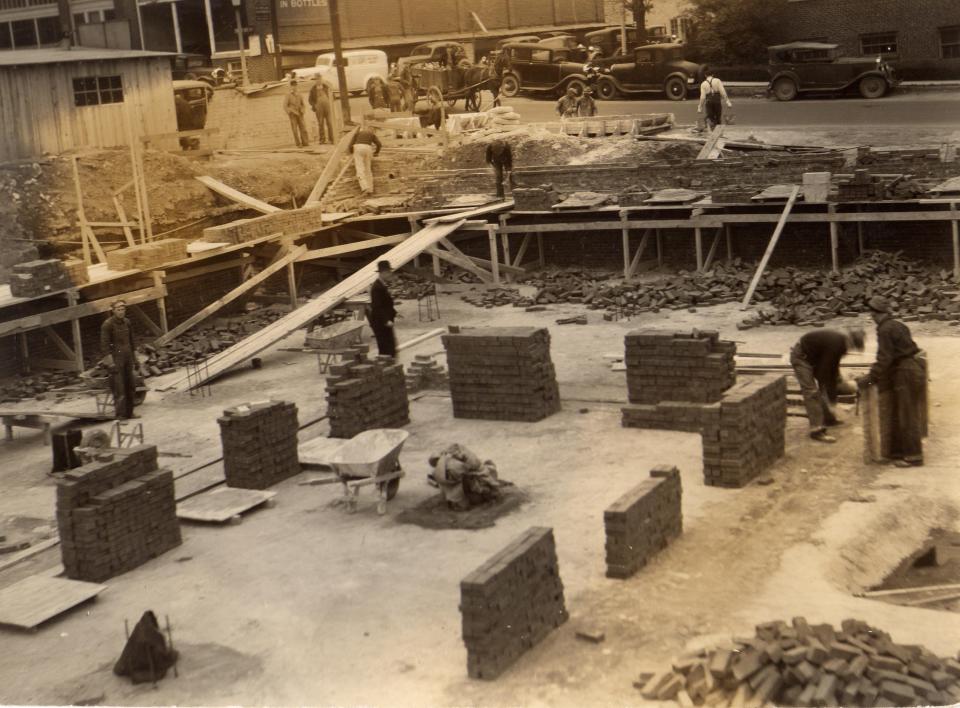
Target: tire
{"x":575,"y":84}
{"x":785,"y":89}
{"x":472,"y":102}
{"x":675,"y":88}
{"x":509,"y":85}
{"x":872,"y":87}
{"x":607,"y":90}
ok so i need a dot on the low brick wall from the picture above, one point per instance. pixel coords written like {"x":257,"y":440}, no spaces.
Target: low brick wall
{"x":115,"y":514}
{"x":643,"y":522}
{"x":746,"y":435}
{"x":668,"y":415}
{"x":365,"y":393}
{"x":511,"y":603}
{"x":259,"y":444}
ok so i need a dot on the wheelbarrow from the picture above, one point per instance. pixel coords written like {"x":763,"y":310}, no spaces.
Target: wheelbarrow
{"x":371,"y":457}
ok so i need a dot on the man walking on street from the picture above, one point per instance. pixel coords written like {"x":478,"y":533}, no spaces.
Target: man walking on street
{"x":500,"y":157}
{"x":365,"y":146}
{"x":587,"y":107}
{"x":898,"y":371}
{"x":322,"y":106}
{"x":382,"y":313}
{"x":294,"y":108}
{"x":567,"y":105}
{"x":117,"y":346}
{"x":712,"y":94}
{"x":816,"y":362}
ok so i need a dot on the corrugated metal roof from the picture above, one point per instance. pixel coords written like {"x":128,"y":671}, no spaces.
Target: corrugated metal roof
{"x":56,"y":55}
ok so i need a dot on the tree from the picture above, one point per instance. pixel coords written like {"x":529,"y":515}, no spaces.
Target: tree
{"x":640,"y":8}
{"x":734,"y":31}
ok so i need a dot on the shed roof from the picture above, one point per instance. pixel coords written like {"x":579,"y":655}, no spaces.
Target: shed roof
{"x":57,"y":55}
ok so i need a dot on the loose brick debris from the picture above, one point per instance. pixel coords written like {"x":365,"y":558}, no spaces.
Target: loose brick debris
{"x":511,"y":603}
{"x":259,"y":444}
{"x":799,"y":664}
{"x":365,"y":393}
{"x":115,"y":514}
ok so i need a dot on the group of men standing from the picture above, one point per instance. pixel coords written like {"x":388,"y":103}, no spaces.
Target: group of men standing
{"x":573,"y":105}
{"x":320,"y":99}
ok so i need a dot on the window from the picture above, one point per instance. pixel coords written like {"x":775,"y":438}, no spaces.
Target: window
{"x":49,"y":29}
{"x":950,"y":42}
{"x":108,"y":15}
{"x":885,"y":43}
{"x":94,"y":90}
{"x":644,"y":56}
{"x":6,"y":40}
{"x":540,"y":55}
{"x":79,"y":18}
{"x":24,"y":34}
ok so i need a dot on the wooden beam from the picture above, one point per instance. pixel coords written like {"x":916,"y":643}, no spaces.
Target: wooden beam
{"x":159,"y":276}
{"x":122,"y":215}
{"x":80,"y":213}
{"x":712,"y":140}
{"x":494,"y":252}
{"x":728,"y":231}
{"x":211,"y":268}
{"x":771,"y":245}
{"x":145,"y":319}
{"x":237,"y":196}
{"x":504,"y":268}
{"x":75,"y":331}
{"x":540,"y":253}
{"x":505,"y":243}
{"x":713,"y":250}
{"x":698,"y":244}
{"x":955,"y":234}
{"x":714,"y":220}
{"x":60,"y":344}
{"x":834,"y":244}
{"x":518,"y":261}
{"x":356,"y":234}
{"x":632,"y":269}
{"x":331,"y":251}
{"x":232,"y":295}
{"x":448,"y":244}
{"x":332,"y":168}
{"x":625,"y":238}
{"x":462,"y":262}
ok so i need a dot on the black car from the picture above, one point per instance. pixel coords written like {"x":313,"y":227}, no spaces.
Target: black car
{"x":539,"y":68}
{"x":814,"y":67}
{"x":654,"y":68}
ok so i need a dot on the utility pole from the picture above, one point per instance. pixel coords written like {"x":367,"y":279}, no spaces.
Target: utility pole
{"x":243,"y":54}
{"x":275,"y":28}
{"x":623,"y":26}
{"x":338,"y":53}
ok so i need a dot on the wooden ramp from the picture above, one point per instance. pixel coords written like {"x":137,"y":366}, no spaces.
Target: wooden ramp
{"x":434,"y":232}
{"x":34,"y":600}
{"x":222,"y":504}
{"x":236,"y":195}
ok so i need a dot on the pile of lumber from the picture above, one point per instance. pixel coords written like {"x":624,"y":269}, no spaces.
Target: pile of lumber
{"x":799,"y":664}
{"x":36,"y":278}
{"x":148,"y":255}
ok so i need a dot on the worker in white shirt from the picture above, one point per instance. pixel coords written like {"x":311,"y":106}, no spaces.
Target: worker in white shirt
{"x":713,"y":94}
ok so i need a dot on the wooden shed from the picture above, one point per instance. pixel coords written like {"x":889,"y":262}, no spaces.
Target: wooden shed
{"x":54,"y":100}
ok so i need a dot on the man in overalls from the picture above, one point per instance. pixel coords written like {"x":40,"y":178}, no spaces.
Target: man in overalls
{"x":713,"y":95}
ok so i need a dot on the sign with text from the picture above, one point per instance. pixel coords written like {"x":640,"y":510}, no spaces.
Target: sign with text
{"x":303,"y":12}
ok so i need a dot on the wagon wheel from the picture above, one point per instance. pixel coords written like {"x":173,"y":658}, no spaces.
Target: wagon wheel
{"x":474,"y":101}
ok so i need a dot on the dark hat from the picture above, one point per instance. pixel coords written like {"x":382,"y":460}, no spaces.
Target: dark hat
{"x":384,"y":266}
{"x":878,"y":303}
{"x":858,"y":338}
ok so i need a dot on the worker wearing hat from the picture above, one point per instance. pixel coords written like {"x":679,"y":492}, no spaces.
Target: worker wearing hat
{"x":587,"y":107}
{"x":382,"y":311}
{"x":816,"y":363}
{"x":898,"y":371}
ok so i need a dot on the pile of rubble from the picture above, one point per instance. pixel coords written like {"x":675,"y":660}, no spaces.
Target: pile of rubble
{"x":800,"y":664}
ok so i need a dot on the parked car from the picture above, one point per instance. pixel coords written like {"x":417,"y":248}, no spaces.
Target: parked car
{"x":814,"y":67}
{"x":578,"y":52}
{"x":196,"y":67}
{"x":523,"y":39}
{"x":198,"y":94}
{"x":535,"y":67}
{"x":361,"y":66}
{"x":651,"y":68}
{"x":435,"y":52}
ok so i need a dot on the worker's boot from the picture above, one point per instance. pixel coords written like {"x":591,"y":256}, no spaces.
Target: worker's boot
{"x":822,"y":436}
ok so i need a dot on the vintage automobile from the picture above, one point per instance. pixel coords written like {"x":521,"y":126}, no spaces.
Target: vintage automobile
{"x":196,"y":67}
{"x":361,"y":67}
{"x":608,"y":39}
{"x":651,"y":68}
{"x":523,"y":39}
{"x":542,"y":69}
{"x":578,"y":52}
{"x":432,"y":52}
{"x":814,"y":67}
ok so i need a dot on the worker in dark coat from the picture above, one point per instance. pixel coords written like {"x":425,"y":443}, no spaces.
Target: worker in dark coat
{"x":117,"y":346}
{"x":898,"y":371}
{"x":382,"y":312}
{"x":500,"y":156}
{"x":816,"y":362}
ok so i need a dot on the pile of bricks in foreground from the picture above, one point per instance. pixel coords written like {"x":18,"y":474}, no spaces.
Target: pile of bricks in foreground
{"x":116,"y":513}
{"x":36,"y":278}
{"x":502,"y":373}
{"x":800,"y":664}
{"x":259,"y":444}
{"x":643,"y":522}
{"x":364,"y":393}
{"x":148,"y":255}
{"x":511,"y":603}
{"x":425,"y":373}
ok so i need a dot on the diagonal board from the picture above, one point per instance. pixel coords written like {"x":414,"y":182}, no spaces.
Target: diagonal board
{"x":771,"y":245}
{"x":332,"y":168}
{"x":236,"y":195}
{"x":709,"y":146}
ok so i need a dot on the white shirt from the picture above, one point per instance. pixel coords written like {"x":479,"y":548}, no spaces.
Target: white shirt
{"x":712,"y":85}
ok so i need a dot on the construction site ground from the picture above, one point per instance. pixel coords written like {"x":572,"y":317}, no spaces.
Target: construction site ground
{"x":306,"y":604}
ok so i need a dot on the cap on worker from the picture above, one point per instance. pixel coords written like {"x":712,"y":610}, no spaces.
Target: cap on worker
{"x":857,"y":337}
{"x":384,"y":266}
{"x":878,"y":303}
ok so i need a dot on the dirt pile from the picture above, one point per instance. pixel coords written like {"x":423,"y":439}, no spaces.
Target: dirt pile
{"x":800,"y":664}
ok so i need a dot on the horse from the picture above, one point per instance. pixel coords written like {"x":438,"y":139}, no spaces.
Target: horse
{"x":480,"y":77}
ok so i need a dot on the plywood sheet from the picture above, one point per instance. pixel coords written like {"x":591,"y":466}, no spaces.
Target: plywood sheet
{"x":34,"y":600}
{"x":222,"y":504}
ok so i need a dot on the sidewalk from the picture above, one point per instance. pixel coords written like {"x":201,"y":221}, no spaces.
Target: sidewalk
{"x":750,"y":88}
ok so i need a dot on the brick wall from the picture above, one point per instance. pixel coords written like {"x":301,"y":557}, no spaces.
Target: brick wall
{"x":643,"y":522}
{"x":511,"y":603}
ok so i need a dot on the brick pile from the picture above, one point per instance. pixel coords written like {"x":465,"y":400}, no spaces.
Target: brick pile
{"x":643,"y":522}
{"x":365,"y":393}
{"x":36,"y":278}
{"x":425,"y":373}
{"x":289,"y":221}
{"x":502,"y":373}
{"x":745,"y":434}
{"x":511,"y":603}
{"x":803,"y":664}
{"x":115,"y":514}
{"x":540,"y":198}
{"x":259,"y":443}
{"x":76,"y":271}
{"x":148,"y":255}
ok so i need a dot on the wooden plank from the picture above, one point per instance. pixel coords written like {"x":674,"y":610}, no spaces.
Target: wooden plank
{"x":237,"y":196}
{"x":331,"y":251}
{"x":771,"y":245}
{"x":463,"y":262}
{"x":635,"y":262}
{"x":467,"y":215}
{"x":217,"y":304}
{"x":35,"y":549}
{"x":80,"y":213}
{"x":955,"y":236}
{"x":698,"y":246}
{"x":222,"y":504}
{"x":518,"y":261}
{"x":710,"y":145}
{"x":331,"y":169}
{"x":713,"y":250}
{"x":60,"y":344}
{"x":145,"y":319}
{"x":34,"y":600}
{"x":211,"y":268}
{"x":715,"y":220}
{"x":122,"y":215}
{"x":494,"y":252}
{"x":908,"y":591}
{"x":487,"y":265}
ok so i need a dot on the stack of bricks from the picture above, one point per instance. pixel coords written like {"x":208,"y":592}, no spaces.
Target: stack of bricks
{"x":36,"y":278}
{"x":115,"y":514}
{"x":502,"y":373}
{"x":259,"y":444}
{"x":745,"y":434}
{"x":643,"y":522}
{"x":364,"y":393}
{"x":511,"y":603}
{"x":286,"y":221}
{"x":425,"y":373}
{"x":149,"y":255}
{"x":76,"y":271}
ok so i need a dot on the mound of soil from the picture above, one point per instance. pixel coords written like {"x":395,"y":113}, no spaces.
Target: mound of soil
{"x":433,"y":513}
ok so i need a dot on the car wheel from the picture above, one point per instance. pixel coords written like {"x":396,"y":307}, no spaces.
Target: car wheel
{"x":509,"y":85}
{"x":607,"y":90}
{"x":872,"y":87}
{"x":577,"y":85}
{"x":675,"y":88}
{"x":785,"y":89}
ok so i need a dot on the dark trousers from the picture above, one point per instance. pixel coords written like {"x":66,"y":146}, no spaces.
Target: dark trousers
{"x":386,"y":340}
{"x":814,"y":397}
{"x":299,"y":128}
{"x":907,"y":425}
{"x":124,"y":385}
{"x":325,"y":125}
{"x":714,"y":111}
{"x":499,"y":170}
